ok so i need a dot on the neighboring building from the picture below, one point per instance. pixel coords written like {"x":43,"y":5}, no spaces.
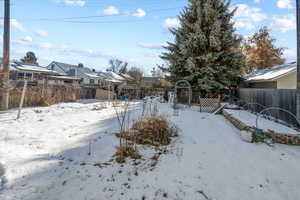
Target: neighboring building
{"x":22,"y":71}
{"x":108,"y":79}
{"x":150,"y":82}
{"x":129,"y":79}
{"x":88,"y":76}
{"x":280,"y":77}
{"x":37,"y":74}
{"x":165,"y":83}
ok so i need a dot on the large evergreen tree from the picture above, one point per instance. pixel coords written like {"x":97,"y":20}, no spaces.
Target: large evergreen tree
{"x":206,"y":50}
{"x":30,"y":58}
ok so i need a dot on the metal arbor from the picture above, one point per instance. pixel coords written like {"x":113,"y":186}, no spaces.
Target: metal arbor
{"x":184,"y":84}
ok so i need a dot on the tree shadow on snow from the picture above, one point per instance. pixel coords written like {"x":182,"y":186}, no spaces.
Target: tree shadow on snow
{"x":73,"y":162}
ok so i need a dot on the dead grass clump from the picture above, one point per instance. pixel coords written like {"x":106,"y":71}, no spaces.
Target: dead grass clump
{"x":38,"y":111}
{"x":47,"y":101}
{"x":155,"y":130}
{"x":126,"y":151}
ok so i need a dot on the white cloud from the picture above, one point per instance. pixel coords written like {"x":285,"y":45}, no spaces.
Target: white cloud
{"x":67,"y":49}
{"x":247,"y":13}
{"x":45,"y":45}
{"x":284,"y":23}
{"x":17,"y":25}
{"x":14,"y":24}
{"x":290,"y":54}
{"x":27,"y":39}
{"x":245,"y":25}
{"x":79,"y":3}
{"x":150,"y":45}
{"x":171,"y":23}
{"x":284,"y":4}
{"x":258,"y":1}
{"x":247,"y":17}
{"x":152,"y":55}
{"x":139,"y":13}
{"x":111,"y":10}
{"x":41,"y":33}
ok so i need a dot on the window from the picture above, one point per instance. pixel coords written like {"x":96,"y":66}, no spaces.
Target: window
{"x":92,"y":81}
{"x":20,"y":75}
{"x":28,"y":76}
{"x":73,"y":72}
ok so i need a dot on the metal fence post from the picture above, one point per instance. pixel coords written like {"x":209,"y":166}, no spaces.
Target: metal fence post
{"x":298,"y":104}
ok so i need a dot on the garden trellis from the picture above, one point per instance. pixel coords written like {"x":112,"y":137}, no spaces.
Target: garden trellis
{"x":183,"y":84}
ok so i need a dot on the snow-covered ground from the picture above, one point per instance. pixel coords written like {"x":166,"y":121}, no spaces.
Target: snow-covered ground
{"x":250,"y":119}
{"x":45,"y":156}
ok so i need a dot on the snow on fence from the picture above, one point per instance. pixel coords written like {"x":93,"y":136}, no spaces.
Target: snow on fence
{"x":281,"y":98}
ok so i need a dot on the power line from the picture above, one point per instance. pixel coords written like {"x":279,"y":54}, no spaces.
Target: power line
{"x":63,"y":19}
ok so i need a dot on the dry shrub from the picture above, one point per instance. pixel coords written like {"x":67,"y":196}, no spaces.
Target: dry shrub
{"x":38,"y":111}
{"x":47,"y":101}
{"x":126,"y":151}
{"x":154,"y":130}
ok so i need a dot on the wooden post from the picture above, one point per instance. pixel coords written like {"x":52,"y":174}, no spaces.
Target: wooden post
{"x":22,"y":99}
{"x":6,"y":42}
{"x":298,"y":61}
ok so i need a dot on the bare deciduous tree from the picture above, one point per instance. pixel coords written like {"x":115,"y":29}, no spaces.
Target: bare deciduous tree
{"x":136,"y":73}
{"x":117,"y":66}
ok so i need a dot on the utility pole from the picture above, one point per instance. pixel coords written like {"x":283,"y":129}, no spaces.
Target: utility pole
{"x":298,"y":61}
{"x":5,"y":61}
{"x":298,"y":44}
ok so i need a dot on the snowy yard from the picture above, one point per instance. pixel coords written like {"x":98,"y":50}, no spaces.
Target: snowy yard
{"x":45,"y":155}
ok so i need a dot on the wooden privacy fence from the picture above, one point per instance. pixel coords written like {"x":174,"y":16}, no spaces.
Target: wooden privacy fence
{"x":105,"y":94}
{"x":85,"y":93}
{"x":281,"y":98}
{"x":36,"y":94}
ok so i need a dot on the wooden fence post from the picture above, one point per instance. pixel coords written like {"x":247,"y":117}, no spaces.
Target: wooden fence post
{"x":22,"y":99}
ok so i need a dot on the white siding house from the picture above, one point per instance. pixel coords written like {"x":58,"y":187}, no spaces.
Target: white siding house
{"x":280,"y":77}
{"x":87,"y":76}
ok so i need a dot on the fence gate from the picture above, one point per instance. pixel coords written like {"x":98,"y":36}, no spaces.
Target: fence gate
{"x":183,"y":84}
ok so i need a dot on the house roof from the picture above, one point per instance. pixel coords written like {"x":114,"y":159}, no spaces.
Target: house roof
{"x":127,"y":77}
{"x":151,"y":80}
{"x":81,"y":70}
{"x":65,"y":77}
{"x":109,"y":76}
{"x":19,"y":66}
{"x":271,"y":74}
{"x":116,"y":76}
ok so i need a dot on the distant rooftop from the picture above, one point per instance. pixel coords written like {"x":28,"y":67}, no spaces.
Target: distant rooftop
{"x":68,"y":67}
{"x":30,"y":68}
{"x":151,"y":79}
{"x":272,"y":73}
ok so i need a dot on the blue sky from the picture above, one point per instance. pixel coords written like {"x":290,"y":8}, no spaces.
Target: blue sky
{"x":93,"y":31}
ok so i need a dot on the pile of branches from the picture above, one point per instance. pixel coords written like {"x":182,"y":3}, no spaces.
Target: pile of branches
{"x":155,"y":130}
{"x":125,"y":151}
{"x":151,"y":129}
